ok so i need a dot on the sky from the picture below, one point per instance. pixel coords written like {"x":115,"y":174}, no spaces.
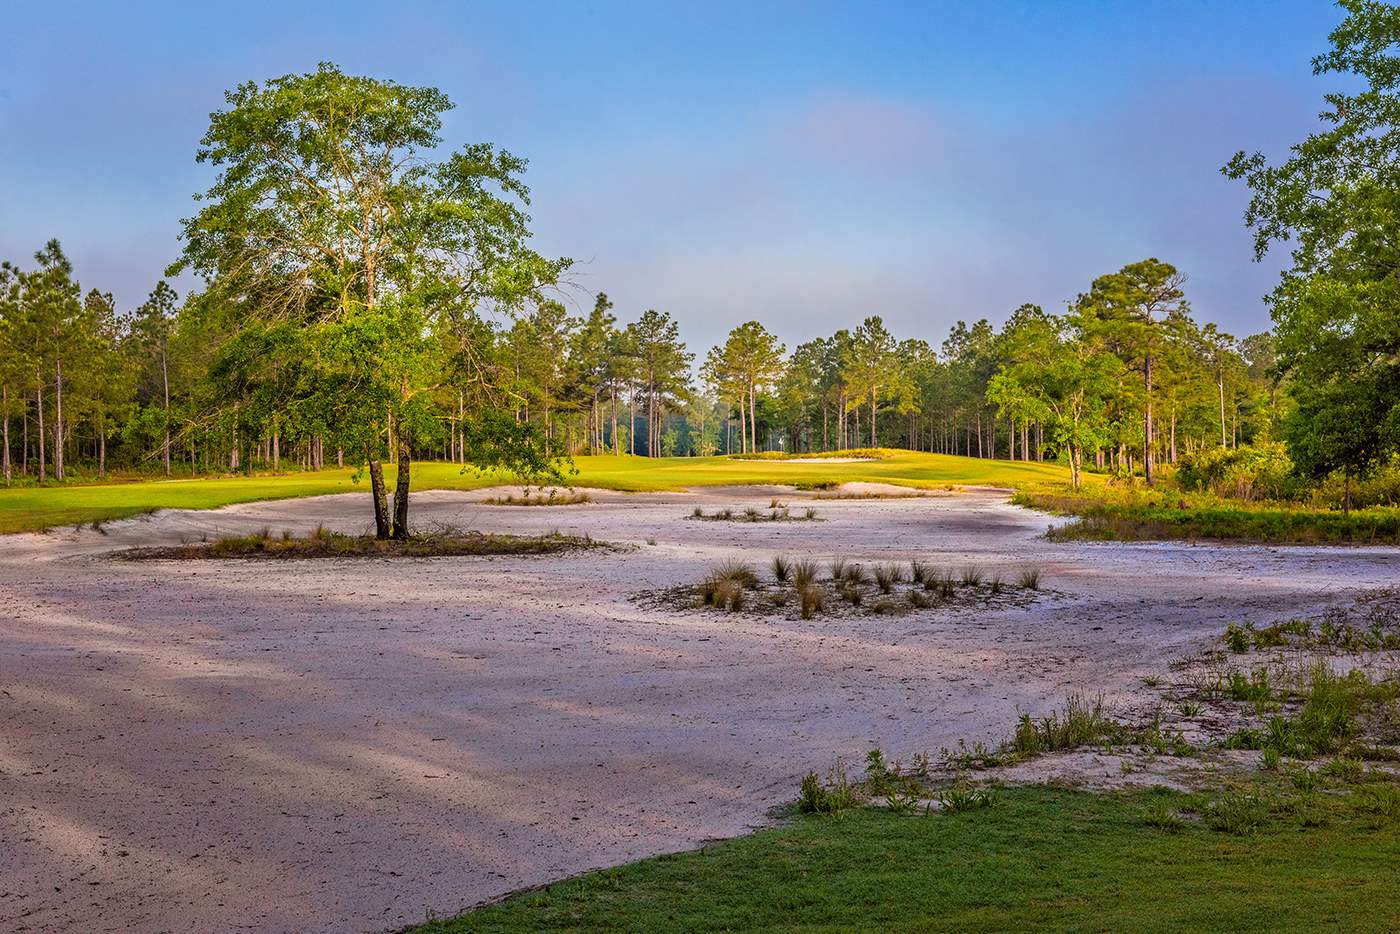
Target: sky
{"x":803,"y":164}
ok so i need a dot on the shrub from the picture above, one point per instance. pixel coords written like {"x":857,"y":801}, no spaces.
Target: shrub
{"x":1249,"y":472}
{"x":816,"y":798}
{"x":1237,"y":638}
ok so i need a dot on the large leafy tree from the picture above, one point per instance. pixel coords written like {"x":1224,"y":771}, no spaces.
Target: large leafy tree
{"x":661,"y":368}
{"x":1336,"y":199}
{"x":333,"y":245}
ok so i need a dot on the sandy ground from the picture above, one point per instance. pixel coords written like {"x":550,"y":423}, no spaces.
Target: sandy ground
{"x":349,"y":745}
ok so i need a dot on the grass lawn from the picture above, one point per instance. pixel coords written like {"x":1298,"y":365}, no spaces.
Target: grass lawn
{"x":30,"y":508}
{"x":1041,"y":859}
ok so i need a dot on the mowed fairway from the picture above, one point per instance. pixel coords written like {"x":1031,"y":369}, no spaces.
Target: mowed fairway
{"x":33,"y":508}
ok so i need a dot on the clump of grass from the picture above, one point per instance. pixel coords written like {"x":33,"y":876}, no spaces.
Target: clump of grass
{"x":774,"y":504}
{"x":920,"y":600}
{"x":919,"y":571}
{"x":1163,"y":818}
{"x":811,"y":599}
{"x":782,"y":569}
{"x":851,"y":594}
{"x":736,"y":571}
{"x":804,"y":572}
{"x":965,"y":797}
{"x":725,"y":587}
{"x":972,"y":576}
{"x":1030,"y":579}
{"x":1235,"y":812}
{"x":942,"y":583}
{"x":809,"y":513}
{"x":887,"y":575}
{"x":886,"y":607}
{"x":831,"y":798}
{"x":996,"y":583}
{"x":698,"y":512}
{"x":1190,"y":708}
{"x":1081,"y":723}
{"x":838,"y":568}
{"x":751,"y":514}
{"x":1254,"y":687}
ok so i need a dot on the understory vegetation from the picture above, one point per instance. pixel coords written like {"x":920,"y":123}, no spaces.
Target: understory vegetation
{"x":550,"y":498}
{"x":845,"y":587}
{"x":323,"y":543}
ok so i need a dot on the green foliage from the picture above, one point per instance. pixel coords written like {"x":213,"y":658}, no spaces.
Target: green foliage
{"x":1249,"y":472}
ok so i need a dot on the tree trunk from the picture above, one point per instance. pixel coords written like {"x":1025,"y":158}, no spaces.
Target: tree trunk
{"x":874,"y":443}
{"x":39,"y":406}
{"x":1220,"y":385}
{"x":399,"y":528}
{"x":5,"y":411}
{"x":58,"y":419}
{"x":377,"y":493}
{"x":101,"y":450}
{"x":1147,"y":421}
{"x":753,"y":420}
{"x":165,"y":379}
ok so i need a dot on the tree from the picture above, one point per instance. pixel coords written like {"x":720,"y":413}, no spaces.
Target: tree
{"x":331,"y":246}
{"x":867,"y":366}
{"x":1336,"y":198}
{"x":151,"y":329}
{"x":1139,"y":309}
{"x":661,"y":366}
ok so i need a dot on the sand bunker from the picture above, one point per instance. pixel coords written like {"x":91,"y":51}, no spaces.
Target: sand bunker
{"x":348,"y":745}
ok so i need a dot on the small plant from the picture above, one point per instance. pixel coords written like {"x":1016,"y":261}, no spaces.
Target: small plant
{"x":919,"y":600}
{"x":1190,"y":708}
{"x":838,"y":568}
{"x":810,"y":513}
{"x":1348,"y":770}
{"x":1237,"y":638}
{"x":851,"y":594}
{"x":1163,"y":818}
{"x":830,"y":799}
{"x":1305,"y":779}
{"x":1253,"y":688}
{"x":804,"y":572}
{"x":919,"y":572}
{"x":774,"y":504}
{"x":972,"y":576}
{"x":698,"y":513}
{"x":855,"y":575}
{"x":1236,"y":812}
{"x":964,"y":797}
{"x":782,"y":569}
{"x":887,"y":575}
{"x":1380,"y":800}
{"x":1269,"y":759}
{"x":1030,"y":579}
{"x":886,"y":607}
{"x":1151,"y":681}
{"x":943,"y":584}
{"x":751,"y":514}
{"x":812,"y":599}
{"x":995,"y":583}
{"x":736,"y":571}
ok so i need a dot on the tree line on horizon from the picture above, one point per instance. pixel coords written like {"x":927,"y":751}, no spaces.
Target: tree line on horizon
{"x":364,"y":301}
{"x":86,"y":384}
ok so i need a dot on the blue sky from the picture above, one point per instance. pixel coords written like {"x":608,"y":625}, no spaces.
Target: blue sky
{"x":804,"y":164}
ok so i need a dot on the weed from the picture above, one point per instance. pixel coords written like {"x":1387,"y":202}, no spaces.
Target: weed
{"x":736,"y":571}
{"x":838,"y":568}
{"x":810,"y":513}
{"x":1152,"y":681}
{"x":1030,"y":579}
{"x":943,"y":584}
{"x":972,"y":576}
{"x":964,"y":797}
{"x":1254,"y":687}
{"x":855,"y":575}
{"x":812,"y":599}
{"x":774,"y":504}
{"x":1346,"y":769}
{"x":831,"y":798}
{"x":1270,"y":759}
{"x":751,"y":514}
{"x":782,"y":569}
{"x":1190,"y":708}
{"x":1379,"y":800}
{"x":919,"y":571}
{"x":851,"y":594}
{"x":698,"y":512}
{"x":1163,"y":818}
{"x":996,"y":583}
{"x":887,"y":575}
{"x":1305,"y":779}
{"x":804,"y":572}
{"x":1235,"y":812}
{"x":919,"y":600}
{"x":1237,"y":638}
{"x":1082,"y":722}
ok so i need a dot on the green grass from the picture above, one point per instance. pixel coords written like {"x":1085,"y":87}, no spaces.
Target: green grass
{"x":30,"y":508}
{"x":1139,"y":515}
{"x":1040,"y":859}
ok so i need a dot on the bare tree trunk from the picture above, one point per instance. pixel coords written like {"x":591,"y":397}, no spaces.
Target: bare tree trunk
{"x":874,"y":442}
{"x":165,"y":379}
{"x":101,"y":450}
{"x":275,"y":442}
{"x":753,"y":420}
{"x":39,"y":406}
{"x":58,"y":419}
{"x":1147,"y":421}
{"x":399,"y":528}
{"x":340,"y":457}
{"x":1220,"y":384}
{"x":377,"y":493}
{"x":5,"y":406}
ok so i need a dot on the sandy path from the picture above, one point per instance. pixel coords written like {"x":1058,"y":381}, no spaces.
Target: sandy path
{"x":349,"y":745}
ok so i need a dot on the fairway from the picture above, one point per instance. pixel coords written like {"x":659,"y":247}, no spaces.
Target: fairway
{"x":32,"y":508}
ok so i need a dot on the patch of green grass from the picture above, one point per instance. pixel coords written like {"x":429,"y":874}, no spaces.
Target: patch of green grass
{"x":1042,"y":859}
{"x":30,"y":508}
{"x":1142,"y":515}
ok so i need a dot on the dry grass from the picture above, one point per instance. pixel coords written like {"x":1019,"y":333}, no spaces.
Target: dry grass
{"x":447,"y":543}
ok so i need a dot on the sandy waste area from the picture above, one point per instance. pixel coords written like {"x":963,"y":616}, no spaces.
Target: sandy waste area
{"x":349,"y":745}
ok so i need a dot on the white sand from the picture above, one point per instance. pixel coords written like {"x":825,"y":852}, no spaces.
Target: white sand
{"x":346,"y":745}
